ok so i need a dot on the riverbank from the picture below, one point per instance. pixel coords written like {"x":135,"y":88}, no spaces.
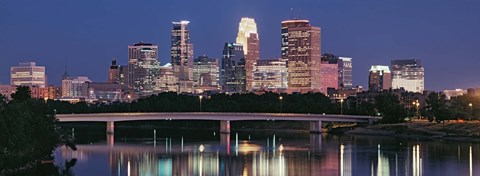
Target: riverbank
{"x":455,"y":131}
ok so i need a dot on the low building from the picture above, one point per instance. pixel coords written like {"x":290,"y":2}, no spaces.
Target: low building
{"x":106,"y":92}
{"x":454,"y":93}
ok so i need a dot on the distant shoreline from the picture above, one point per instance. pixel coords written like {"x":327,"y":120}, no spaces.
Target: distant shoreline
{"x":456,"y":131}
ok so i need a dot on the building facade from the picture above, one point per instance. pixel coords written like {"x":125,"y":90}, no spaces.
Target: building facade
{"x":345,"y":73}
{"x":182,"y":56}
{"x":143,"y":68}
{"x":233,"y":69}
{"x":166,"y":81}
{"x":301,"y":48}
{"x":248,"y":37}
{"x":380,"y":78}
{"x":328,"y":76}
{"x":75,"y":87}
{"x":408,"y":74}
{"x":270,"y":75}
{"x":206,"y":73}
{"x":28,"y":74}
{"x":105,"y":92}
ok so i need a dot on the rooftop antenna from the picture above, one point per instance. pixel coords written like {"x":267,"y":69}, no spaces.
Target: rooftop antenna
{"x":291,"y":13}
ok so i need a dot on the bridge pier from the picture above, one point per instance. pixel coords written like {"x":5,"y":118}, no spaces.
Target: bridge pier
{"x":316,"y":142}
{"x":110,"y":127}
{"x":225,"y":126}
{"x":316,"y":127}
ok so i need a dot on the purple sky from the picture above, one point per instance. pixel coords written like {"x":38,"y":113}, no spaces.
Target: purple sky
{"x":87,"y":34}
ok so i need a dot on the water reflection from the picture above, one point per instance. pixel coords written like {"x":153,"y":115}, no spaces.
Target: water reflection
{"x":309,"y":154}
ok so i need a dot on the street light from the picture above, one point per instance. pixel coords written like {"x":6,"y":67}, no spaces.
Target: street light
{"x":129,"y":102}
{"x":46,"y":99}
{"x":200,"y":98}
{"x":281,"y":103}
{"x":341,"y":106}
{"x":471,"y":109}
{"x":417,"y":105}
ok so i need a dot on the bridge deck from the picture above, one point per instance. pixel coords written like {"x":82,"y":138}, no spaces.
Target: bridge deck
{"x":118,"y":117}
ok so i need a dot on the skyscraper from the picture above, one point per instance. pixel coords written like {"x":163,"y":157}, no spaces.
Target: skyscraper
{"x":28,"y":74}
{"x":345,"y":76}
{"x":408,"y":74}
{"x":233,"y":68}
{"x":166,"y":82}
{"x":328,"y":75}
{"x":301,"y":48}
{"x":380,"y":78}
{"x":270,"y":75}
{"x":206,"y":73}
{"x":143,"y":68}
{"x":248,"y":37}
{"x":182,"y":56}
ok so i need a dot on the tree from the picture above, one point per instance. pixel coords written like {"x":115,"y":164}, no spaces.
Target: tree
{"x":437,"y":108}
{"x":28,"y":130}
{"x":388,"y":105}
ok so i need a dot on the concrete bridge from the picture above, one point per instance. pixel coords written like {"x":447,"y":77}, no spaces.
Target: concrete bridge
{"x":224,"y":118}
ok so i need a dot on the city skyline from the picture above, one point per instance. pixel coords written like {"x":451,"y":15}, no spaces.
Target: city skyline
{"x":87,"y":43}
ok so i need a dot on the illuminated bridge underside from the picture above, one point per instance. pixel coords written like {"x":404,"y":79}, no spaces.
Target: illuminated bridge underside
{"x":225,"y":118}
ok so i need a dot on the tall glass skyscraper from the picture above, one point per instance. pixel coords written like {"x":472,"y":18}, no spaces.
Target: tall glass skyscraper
{"x":301,"y":48}
{"x":233,"y":68}
{"x":182,"y":56}
{"x":408,"y":74}
{"x":143,"y":68}
{"x":248,"y":37}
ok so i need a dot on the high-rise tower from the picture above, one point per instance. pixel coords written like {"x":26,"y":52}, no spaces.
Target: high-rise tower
{"x":143,"y":68}
{"x":379,"y":78}
{"x":248,"y":37}
{"x":182,"y":56}
{"x":408,"y":74}
{"x":233,"y":68}
{"x":301,"y":48}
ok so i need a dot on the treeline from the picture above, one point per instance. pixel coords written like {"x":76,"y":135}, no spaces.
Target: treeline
{"x":28,"y":131}
{"x":173,"y":102}
{"x":386,"y":104}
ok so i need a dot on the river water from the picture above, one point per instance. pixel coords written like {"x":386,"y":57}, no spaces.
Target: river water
{"x":133,"y":152}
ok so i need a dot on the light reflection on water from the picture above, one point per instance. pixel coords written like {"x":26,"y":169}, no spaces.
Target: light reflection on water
{"x":309,"y":154}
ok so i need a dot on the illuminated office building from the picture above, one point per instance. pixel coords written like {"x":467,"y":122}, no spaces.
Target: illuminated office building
{"x":248,"y":37}
{"x":75,"y":87}
{"x":408,"y":74}
{"x":380,"y":78}
{"x":233,"y":68}
{"x":270,"y":75}
{"x":345,"y":75}
{"x":166,"y":81}
{"x":143,"y":68}
{"x":182,"y":56}
{"x":28,"y":74}
{"x":301,"y":48}
{"x":206,"y":73}
{"x":328,"y":76}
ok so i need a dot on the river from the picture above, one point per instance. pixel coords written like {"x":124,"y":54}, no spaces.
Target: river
{"x":133,"y":151}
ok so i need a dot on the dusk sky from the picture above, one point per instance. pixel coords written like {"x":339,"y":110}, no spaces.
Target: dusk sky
{"x":86,"y":35}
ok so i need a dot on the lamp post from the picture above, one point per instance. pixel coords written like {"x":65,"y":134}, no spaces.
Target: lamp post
{"x":471,"y":110}
{"x":200,"y":98}
{"x":46,"y":99}
{"x":281,"y":103}
{"x":417,"y":105}
{"x":341,"y":106}
{"x":129,"y":102}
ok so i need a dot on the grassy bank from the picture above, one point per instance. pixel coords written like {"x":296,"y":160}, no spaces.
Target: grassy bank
{"x":460,"y":131}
